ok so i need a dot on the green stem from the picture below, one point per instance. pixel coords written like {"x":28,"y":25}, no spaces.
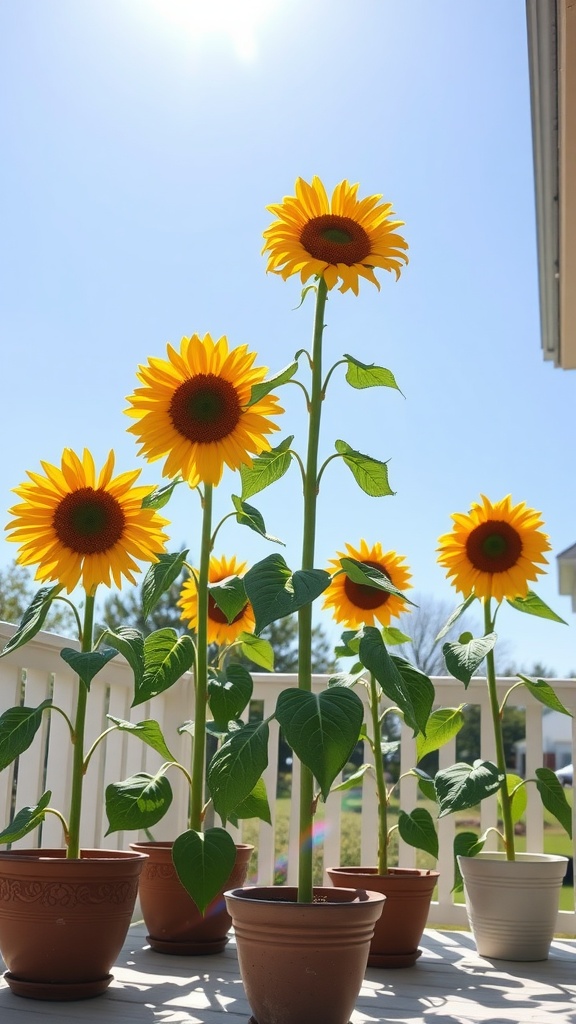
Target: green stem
{"x":498,"y":737}
{"x":73,"y":847}
{"x":201,"y":673}
{"x":305,"y":882}
{"x":380,"y":779}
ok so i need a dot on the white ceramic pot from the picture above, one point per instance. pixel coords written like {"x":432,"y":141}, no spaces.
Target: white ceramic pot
{"x":513,"y":905}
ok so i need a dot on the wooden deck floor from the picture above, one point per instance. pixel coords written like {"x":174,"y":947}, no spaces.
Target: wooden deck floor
{"x":449,"y":984}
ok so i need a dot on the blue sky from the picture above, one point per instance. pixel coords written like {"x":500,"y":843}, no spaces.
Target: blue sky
{"x":142,"y":143}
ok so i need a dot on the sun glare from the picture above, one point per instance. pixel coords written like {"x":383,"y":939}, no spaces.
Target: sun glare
{"x":239,"y":20}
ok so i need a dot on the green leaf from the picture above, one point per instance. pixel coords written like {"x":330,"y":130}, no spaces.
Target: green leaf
{"x":322,"y":729}
{"x":442,"y":726}
{"x":229,"y":596}
{"x":370,"y":474}
{"x":229,"y":693}
{"x":462,"y":659}
{"x":418,"y":829}
{"x":350,"y":644}
{"x":160,"y":496}
{"x":254,"y":806}
{"x":393,"y":636}
{"x":369,"y":576}
{"x":204,"y":863}
{"x":259,"y":391}
{"x":26,"y":820}
{"x":368,"y":375}
{"x":266,"y":469}
{"x":554,"y":798}
{"x":87,"y":664}
{"x":464,"y":785}
{"x":159,"y":578}
{"x":138,"y":802}
{"x":148,"y":731}
{"x":249,"y":516}
{"x":129,"y":643}
{"x":347,"y":678}
{"x":258,"y":650}
{"x":543,"y":692}
{"x":425,"y":784}
{"x":274,"y":591}
{"x":18,"y":727}
{"x":466,"y":844}
{"x":33,"y":619}
{"x":355,"y":779}
{"x":533,"y":605}
{"x":519,"y":798}
{"x":455,"y":616}
{"x":237,"y":766}
{"x":404,"y":685}
{"x":167,"y":656}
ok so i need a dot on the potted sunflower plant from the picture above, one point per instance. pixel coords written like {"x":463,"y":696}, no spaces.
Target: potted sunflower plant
{"x":82,"y":529}
{"x":492,"y":554}
{"x":197,"y":410}
{"x":296,"y":959}
{"x":390,"y":684}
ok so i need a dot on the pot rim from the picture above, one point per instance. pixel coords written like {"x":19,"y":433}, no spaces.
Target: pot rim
{"x":58,"y":855}
{"x":498,"y":856}
{"x":395,"y":872}
{"x":359,"y":896}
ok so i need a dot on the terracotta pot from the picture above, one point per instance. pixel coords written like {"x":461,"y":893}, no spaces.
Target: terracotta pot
{"x":512,"y":905}
{"x":302,"y":963}
{"x":398,"y":931}
{"x":172,"y":919}
{"x":63,"y":922}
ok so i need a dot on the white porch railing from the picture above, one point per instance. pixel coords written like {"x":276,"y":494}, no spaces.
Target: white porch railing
{"x":36,"y":672}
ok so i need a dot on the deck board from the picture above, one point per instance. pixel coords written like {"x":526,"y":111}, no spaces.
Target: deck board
{"x":450,"y":984}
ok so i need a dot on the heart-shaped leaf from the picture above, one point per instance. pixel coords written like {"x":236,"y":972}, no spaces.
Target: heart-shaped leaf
{"x":266,"y":468}
{"x":370,"y":474}
{"x":442,"y":725}
{"x":274,"y":591}
{"x":519,"y":798}
{"x":322,"y":729}
{"x":408,"y":688}
{"x":254,"y":806}
{"x":129,"y":642}
{"x":229,"y":692}
{"x":18,"y":727}
{"x":464,"y":785}
{"x":368,"y":375}
{"x":543,"y":692}
{"x":204,"y":863}
{"x":159,"y":578}
{"x":259,"y":391}
{"x":369,"y":576}
{"x":237,"y":766}
{"x":258,"y":650}
{"x":554,"y":798}
{"x":229,"y":596}
{"x":418,"y":829}
{"x":462,"y":659}
{"x":249,"y":516}
{"x":466,"y":844}
{"x":149,"y":732}
{"x":533,"y":605}
{"x":87,"y":664}
{"x":454,"y":617}
{"x":138,"y":802}
{"x":160,"y":496}
{"x":167,"y":656}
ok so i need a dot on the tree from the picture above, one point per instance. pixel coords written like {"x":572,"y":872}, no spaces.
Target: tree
{"x":17,"y":591}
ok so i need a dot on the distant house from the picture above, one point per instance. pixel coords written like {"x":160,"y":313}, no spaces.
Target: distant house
{"x":556,"y":742}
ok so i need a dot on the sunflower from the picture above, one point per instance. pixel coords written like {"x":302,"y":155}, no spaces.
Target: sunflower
{"x":220,"y":631}
{"x":194,"y":408}
{"x":340,"y":239}
{"x":493,"y":549}
{"x":79,"y":526}
{"x":358,"y":604}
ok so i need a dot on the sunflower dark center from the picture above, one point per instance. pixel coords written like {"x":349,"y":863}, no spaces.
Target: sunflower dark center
{"x":217,"y":615}
{"x":363,"y":596}
{"x":205,"y":408}
{"x":334,"y":239}
{"x":89,"y":521}
{"x":494,"y":547}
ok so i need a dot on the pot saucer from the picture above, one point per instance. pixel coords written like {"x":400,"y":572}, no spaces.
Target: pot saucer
{"x":394,"y":959}
{"x":187,"y":948}
{"x":57,"y":991}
